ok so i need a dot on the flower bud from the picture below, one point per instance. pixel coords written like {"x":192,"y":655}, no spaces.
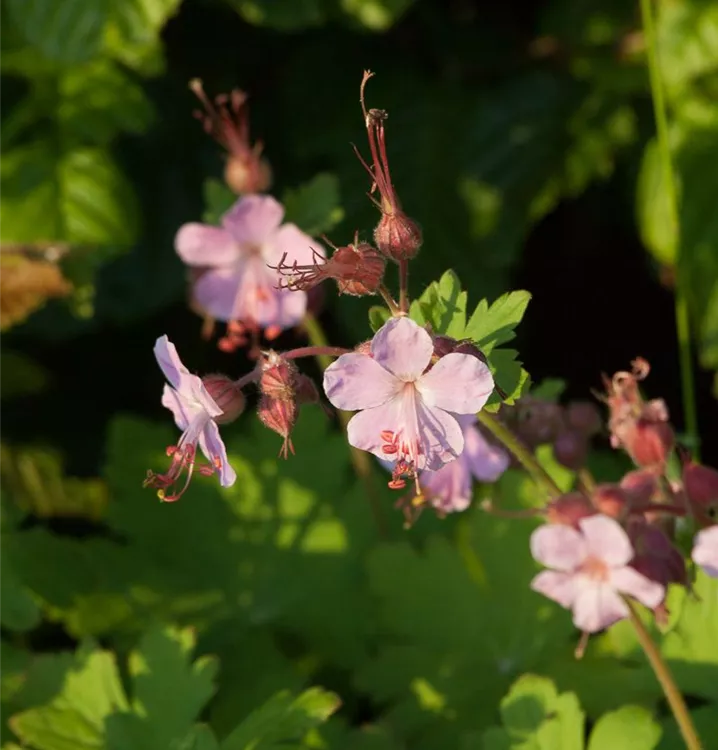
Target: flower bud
{"x":641,"y":485}
{"x":570,"y":449}
{"x":701,"y":487}
{"x":226,"y":395}
{"x":649,"y":443}
{"x":584,"y":417}
{"x":655,"y":556}
{"x":364,"y":348}
{"x":365,"y":269}
{"x":397,"y":236}
{"x":306,"y":390}
{"x":569,"y":509}
{"x":248,"y":173}
{"x":536,"y":422}
{"x":611,"y":500}
{"x":278,"y":377}
{"x":279,"y":415}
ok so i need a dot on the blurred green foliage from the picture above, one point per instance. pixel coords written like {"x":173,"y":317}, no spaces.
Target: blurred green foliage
{"x":210,"y":623}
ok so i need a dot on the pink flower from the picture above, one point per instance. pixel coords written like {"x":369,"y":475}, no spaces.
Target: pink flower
{"x":705,"y":550}
{"x":590,"y":571}
{"x":196,"y":414}
{"x":449,"y":488}
{"x":238,"y":283}
{"x":406,"y":411}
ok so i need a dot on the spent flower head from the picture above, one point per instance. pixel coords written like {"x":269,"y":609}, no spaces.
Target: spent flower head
{"x":197,"y":414}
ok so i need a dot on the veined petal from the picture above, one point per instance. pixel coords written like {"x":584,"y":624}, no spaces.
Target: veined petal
{"x":253,"y":219}
{"x":441,"y":437}
{"x":486,"y":462}
{"x":182,"y":409}
{"x":596,"y":607}
{"x":561,"y":587}
{"x":355,"y":381}
{"x":203,"y":245}
{"x":705,"y":550}
{"x":606,"y":540}
{"x":403,"y":348}
{"x":299,"y":247}
{"x":219,"y":292}
{"x":213,"y":448}
{"x":457,"y":382}
{"x":558,"y":546}
{"x":631,"y":582}
{"x":449,"y":488}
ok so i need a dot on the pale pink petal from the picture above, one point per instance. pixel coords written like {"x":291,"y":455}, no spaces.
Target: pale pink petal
{"x":629,"y":581}
{"x":292,"y":308}
{"x":402,"y":347}
{"x":355,"y":381}
{"x":449,"y":488}
{"x":183,"y":409}
{"x":558,"y":546}
{"x":596,"y":607}
{"x":213,"y":448}
{"x":202,"y":245}
{"x":253,"y":219}
{"x":705,"y":551}
{"x":297,"y":245}
{"x":436,"y":434}
{"x":561,"y":587}
{"x":170,"y":363}
{"x":606,"y":540}
{"x":457,"y":382}
{"x":486,"y":462}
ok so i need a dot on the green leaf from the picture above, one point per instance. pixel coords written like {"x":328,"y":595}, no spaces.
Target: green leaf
{"x":314,"y":206}
{"x":492,"y":325}
{"x":443,"y":306}
{"x":282,"y":720}
{"x":658,"y":232}
{"x":20,"y":375}
{"x":18,"y":610}
{"x":377,"y":15}
{"x":218,"y":199}
{"x":79,"y":197}
{"x":75,"y":718}
{"x":132,"y":35}
{"x":283,"y":15}
{"x":66,"y":32}
{"x":709,"y":332}
{"x":549,"y":389}
{"x":378,"y":315}
{"x":628,"y":728}
{"x":535,"y":716}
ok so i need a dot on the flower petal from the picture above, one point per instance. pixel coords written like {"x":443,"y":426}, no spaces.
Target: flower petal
{"x":705,"y":550}
{"x":561,"y":587}
{"x":403,"y":348}
{"x":457,"y":382}
{"x":606,"y":540}
{"x":253,"y":219}
{"x":629,"y":581}
{"x":449,"y":488}
{"x":299,"y":247}
{"x":213,"y":448}
{"x":182,"y":409}
{"x":558,"y":546}
{"x":203,"y":245}
{"x":596,"y":607}
{"x":355,"y":381}
{"x":486,"y":462}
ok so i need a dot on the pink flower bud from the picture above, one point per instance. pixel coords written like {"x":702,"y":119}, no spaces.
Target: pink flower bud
{"x":611,"y":500}
{"x":278,"y":377}
{"x":279,"y":415}
{"x":701,"y":487}
{"x":570,"y":449}
{"x":656,"y":557}
{"x":249,"y":174}
{"x":584,"y":417}
{"x":397,"y":236}
{"x":641,"y":485}
{"x":649,"y":443}
{"x":569,"y":509}
{"x":226,"y":395}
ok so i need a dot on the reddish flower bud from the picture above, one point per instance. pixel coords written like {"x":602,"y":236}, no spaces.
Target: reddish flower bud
{"x":278,"y":377}
{"x":227,"y":121}
{"x":280,"y":415}
{"x":584,"y":417}
{"x":570,"y":449}
{"x":611,"y":500}
{"x":358,"y":270}
{"x":569,"y":509}
{"x":226,"y":395}
{"x":537,"y":422}
{"x":649,"y":443}
{"x":641,"y":485}
{"x":396,"y":236}
{"x":655,"y":556}
{"x":701,"y":487}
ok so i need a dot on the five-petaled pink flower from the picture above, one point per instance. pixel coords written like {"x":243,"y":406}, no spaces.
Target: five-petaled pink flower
{"x":406,"y":408}
{"x":705,"y":550}
{"x":238,"y":283}
{"x":591,"y":571}
{"x":449,"y":489}
{"x":195,"y":413}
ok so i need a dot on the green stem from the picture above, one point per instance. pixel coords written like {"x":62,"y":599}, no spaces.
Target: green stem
{"x":524,"y":456}
{"x":681,"y":302}
{"x":665,"y":678}
{"x":360,"y":460}
{"x":404,"y":286}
